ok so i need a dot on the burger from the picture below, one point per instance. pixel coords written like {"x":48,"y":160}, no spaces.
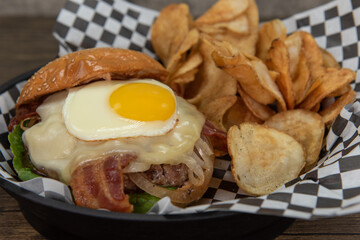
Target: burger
{"x":102,"y":122}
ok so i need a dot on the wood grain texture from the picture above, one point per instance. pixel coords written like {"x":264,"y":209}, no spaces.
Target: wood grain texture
{"x":27,"y":43}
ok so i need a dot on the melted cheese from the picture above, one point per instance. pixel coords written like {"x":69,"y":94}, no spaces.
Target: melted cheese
{"x":50,"y":146}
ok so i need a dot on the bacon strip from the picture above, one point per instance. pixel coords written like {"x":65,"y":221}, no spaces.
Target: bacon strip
{"x":100,"y":183}
{"x":217,"y":137}
{"x":22,"y":113}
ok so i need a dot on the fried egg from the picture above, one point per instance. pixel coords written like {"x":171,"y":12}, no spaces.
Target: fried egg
{"x":120,"y":109}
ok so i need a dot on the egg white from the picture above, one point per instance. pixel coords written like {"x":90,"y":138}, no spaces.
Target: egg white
{"x":88,"y":115}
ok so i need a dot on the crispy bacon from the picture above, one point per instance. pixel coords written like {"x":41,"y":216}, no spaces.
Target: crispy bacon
{"x":217,"y":137}
{"x":100,"y":183}
{"x":22,"y":113}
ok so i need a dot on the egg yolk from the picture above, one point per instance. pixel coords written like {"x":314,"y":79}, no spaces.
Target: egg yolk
{"x":143,"y":102}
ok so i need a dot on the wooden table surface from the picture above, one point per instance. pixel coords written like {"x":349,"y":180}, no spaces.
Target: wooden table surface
{"x":27,"y":43}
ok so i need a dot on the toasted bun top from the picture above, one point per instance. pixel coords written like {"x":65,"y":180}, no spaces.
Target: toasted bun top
{"x":88,"y":65}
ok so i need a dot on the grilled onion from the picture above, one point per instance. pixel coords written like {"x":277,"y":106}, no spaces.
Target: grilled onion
{"x":193,"y":189}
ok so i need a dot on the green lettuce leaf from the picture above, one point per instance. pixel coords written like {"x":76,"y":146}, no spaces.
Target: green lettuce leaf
{"x":21,"y":162}
{"x":142,"y":202}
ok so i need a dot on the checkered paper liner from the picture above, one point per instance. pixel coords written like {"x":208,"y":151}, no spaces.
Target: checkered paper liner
{"x":330,"y":189}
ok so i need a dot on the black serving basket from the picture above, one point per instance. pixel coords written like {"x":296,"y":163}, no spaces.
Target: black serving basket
{"x":60,"y":220}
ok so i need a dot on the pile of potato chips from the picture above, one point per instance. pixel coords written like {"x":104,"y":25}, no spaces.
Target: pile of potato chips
{"x":256,"y":84}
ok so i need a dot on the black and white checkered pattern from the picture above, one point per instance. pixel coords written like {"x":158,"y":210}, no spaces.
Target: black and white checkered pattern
{"x":336,"y":27}
{"x":91,"y":23}
{"x":331,"y":189}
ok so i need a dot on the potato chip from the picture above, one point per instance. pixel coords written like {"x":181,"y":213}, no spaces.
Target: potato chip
{"x":268,"y":83}
{"x":191,"y":39}
{"x":211,"y":82}
{"x":192,"y":62}
{"x":305,"y":126}
{"x":185,"y":78}
{"x":330,"y":81}
{"x":340,"y":91}
{"x":169,"y":30}
{"x":330,"y":113}
{"x":274,"y":75}
{"x":312,"y":85}
{"x":328,"y":60}
{"x":222,"y":47}
{"x":185,"y":73}
{"x":238,"y":26}
{"x":263,"y":158}
{"x":211,"y":29}
{"x":247,"y":77}
{"x":215,"y":110}
{"x":251,"y":73}
{"x":279,"y":61}
{"x":268,"y":32}
{"x":310,"y":68}
{"x":262,"y":112}
{"x":247,"y":43}
{"x":222,"y":11}
{"x":313,"y":55}
{"x":179,"y":83}
{"x":316,"y":108}
{"x":293,"y":44}
{"x":239,"y":113}
{"x":302,"y":79}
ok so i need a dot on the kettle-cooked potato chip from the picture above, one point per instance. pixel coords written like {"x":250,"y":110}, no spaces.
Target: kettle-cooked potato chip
{"x":239,"y":113}
{"x":313,"y":55}
{"x":233,"y":21}
{"x":268,"y":32}
{"x":252,"y":74}
{"x":293,"y":44}
{"x":185,"y":73}
{"x":261,"y":111}
{"x":223,"y":11}
{"x":309,"y":88}
{"x":247,"y":43}
{"x":340,"y":91}
{"x":305,"y":126}
{"x":192,"y":63}
{"x":178,"y":83}
{"x":279,"y":61}
{"x":302,"y":79}
{"x":238,"y":26}
{"x":216,"y":109}
{"x":330,"y":81}
{"x":316,"y":108}
{"x":328,"y":60}
{"x":263,"y":158}
{"x":268,"y":83}
{"x":169,"y":30}
{"x":211,"y":82}
{"x":330,"y":113}
{"x":179,"y":57}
